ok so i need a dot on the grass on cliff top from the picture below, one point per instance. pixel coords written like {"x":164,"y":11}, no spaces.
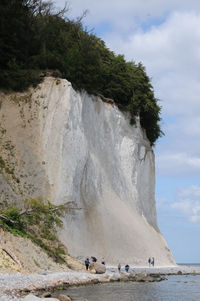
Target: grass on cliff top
{"x":38,"y":221}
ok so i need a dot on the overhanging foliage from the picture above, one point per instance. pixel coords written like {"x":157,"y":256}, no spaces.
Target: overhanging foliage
{"x":33,"y":37}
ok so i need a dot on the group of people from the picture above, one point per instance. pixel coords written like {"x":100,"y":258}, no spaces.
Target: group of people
{"x":93,"y":259}
{"x":126,"y":267}
{"x":151,"y":261}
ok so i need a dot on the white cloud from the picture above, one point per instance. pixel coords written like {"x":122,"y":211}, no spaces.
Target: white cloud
{"x":181,"y":164}
{"x":171,"y":53}
{"x":188,"y":203}
{"x":161,"y":202}
{"x":125,"y":14}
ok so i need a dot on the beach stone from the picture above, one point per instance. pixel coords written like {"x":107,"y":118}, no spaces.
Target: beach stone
{"x":105,"y":279}
{"x":141,"y":277}
{"x":98,"y":267}
{"x":151,"y":279}
{"x":132,"y":277}
{"x":46,"y":295}
{"x":124,"y":277}
{"x":31,"y":297}
{"x":148,"y":278}
{"x":95,"y":281}
{"x":115,"y":277}
{"x":64,"y":298}
{"x":154,"y":275}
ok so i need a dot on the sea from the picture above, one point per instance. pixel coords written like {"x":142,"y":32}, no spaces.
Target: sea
{"x":175,"y":288}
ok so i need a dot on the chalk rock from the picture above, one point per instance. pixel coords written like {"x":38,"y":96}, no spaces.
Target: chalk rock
{"x":98,"y":267}
{"x":83,"y":152}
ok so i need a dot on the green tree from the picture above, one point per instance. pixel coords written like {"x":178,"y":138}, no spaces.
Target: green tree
{"x":34,"y":38}
{"x":39,"y":221}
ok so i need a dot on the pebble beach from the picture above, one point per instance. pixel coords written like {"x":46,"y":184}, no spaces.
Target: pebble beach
{"x":13,"y":286}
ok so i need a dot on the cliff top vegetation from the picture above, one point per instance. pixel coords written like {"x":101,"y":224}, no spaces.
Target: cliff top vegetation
{"x":34,"y":38}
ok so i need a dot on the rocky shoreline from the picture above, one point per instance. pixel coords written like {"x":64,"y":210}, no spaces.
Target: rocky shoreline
{"x":16,"y":286}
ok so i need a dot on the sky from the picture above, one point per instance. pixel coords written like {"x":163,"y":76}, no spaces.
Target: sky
{"x":165,"y":36}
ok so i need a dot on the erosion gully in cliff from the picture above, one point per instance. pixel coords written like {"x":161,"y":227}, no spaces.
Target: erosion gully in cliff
{"x":73,"y":148}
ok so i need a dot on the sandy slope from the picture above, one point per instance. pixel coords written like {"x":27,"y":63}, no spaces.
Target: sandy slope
{"x":32,"y":259}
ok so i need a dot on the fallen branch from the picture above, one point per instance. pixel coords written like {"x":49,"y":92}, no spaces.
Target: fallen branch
{"x":5,"y":217}
{"x":27,"y":211}
{"x":9,"y":253}
{"x":65,"y":207}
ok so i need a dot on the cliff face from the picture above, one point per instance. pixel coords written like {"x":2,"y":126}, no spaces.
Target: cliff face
{"x":74,"y":149}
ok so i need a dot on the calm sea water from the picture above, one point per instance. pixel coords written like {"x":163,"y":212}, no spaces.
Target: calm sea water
{"x":181,"y":288}
{"x":190,"y":264}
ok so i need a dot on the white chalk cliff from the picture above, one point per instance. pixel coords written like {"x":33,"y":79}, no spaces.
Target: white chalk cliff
{"x":73,"y":148}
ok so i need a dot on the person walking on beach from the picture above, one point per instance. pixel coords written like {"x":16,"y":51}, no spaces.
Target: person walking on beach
{"x":103,"y":261}
{"x":94,"y":259}
{"x":87,"y":263}
{"x":119,"y":267}
{"x":126,"y":268}
{"x":149,"y":261}
{"x":152,"y":261}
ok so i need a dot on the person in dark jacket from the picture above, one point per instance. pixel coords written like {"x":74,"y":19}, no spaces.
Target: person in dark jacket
{"x":87,"y":263}
{"x":127,"y":268}
{"x":94,"y":259}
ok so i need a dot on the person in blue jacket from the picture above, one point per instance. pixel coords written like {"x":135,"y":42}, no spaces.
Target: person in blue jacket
{"x":87,"y":263}
{"x":127,"y":268}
